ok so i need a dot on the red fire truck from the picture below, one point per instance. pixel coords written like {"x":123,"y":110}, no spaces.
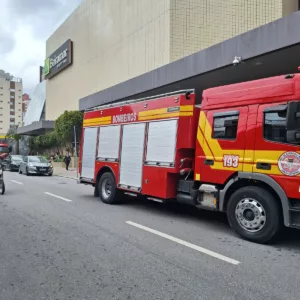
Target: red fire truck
{"x":4,"y":150}
{"x":236,"y":153}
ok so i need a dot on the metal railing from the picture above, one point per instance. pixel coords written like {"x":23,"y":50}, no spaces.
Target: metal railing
{"x":116,"y":104}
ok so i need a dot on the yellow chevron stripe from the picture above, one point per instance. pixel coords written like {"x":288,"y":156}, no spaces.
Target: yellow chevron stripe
{"x":185,"y":108}
{"x":248,"y":158}
{"x":167,"y":115}
{"x":96,"y":124}
{"x":94,"y":120}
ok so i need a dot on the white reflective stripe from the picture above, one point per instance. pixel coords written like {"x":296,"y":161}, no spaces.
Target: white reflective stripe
{"x":58,"y":197}
{"x":17,"y":182}
{"x":187,"y":244}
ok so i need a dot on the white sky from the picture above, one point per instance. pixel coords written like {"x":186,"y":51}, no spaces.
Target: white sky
{"x":25,"y":25}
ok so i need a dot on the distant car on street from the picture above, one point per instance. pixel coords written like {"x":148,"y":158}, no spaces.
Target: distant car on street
{"x":35,"y":165}
{"x":12,"y":162}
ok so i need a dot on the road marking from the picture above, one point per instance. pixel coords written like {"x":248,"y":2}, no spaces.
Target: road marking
{"x":17,"y":182}
{"x":187,"y":244}
{"x":58,"y":197}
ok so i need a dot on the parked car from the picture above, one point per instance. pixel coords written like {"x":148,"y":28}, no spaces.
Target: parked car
{"x":12,"y":162}
{"x":35,"y":165}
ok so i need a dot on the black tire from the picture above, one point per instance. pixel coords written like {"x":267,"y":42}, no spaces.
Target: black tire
{"x":107,"y":189}
{"x":268,"y":218}
{"x":27,"y":174}
{"x":50,"y":174}
{"x":2,"y":188}
{"x":96,"y":191}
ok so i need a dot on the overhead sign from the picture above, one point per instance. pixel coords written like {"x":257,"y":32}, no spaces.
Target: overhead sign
{"x":59,"y":60}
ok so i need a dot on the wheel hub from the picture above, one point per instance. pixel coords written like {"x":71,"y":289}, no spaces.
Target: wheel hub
{"x":106,"y":188}
{"x":250,"y":214}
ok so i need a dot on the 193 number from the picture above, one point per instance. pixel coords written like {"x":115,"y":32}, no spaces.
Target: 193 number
{"x":231,"y":161}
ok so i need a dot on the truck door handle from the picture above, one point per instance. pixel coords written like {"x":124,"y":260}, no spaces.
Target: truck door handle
{"x":263,"y":166}
{"x":209,"y":162}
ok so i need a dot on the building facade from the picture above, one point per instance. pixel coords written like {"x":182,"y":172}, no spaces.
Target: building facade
{"x":11,"y":90}
{"x":111,"y":41}
{"x":25,"y":102}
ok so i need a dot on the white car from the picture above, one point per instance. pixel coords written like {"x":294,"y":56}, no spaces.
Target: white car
{"x":35,"y":165}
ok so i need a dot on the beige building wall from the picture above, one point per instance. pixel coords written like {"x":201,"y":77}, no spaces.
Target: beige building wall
{"x":115,"y":40}
{"x":10,"y":105}
{"x":199,"y":24}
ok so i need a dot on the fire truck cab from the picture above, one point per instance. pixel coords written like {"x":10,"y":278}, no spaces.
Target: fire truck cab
{"x":4,"y":150}
{"x":236,"y":153}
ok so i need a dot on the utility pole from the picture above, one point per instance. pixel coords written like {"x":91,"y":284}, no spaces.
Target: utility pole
{"x":75,"y":152}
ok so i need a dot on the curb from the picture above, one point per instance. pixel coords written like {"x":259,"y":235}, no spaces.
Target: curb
{"x":69,"y":177}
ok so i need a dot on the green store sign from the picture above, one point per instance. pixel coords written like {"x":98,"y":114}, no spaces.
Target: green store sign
{"x":59,"y":60}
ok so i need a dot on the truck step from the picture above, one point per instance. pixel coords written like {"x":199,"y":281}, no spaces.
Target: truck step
{"x":297,"y":226}
{"x":294,"y":209}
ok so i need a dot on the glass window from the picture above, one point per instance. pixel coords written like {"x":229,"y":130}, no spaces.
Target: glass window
{"x":38,"y":159}
{"x":225,"y":127}
{"x":16,"y":158}
{"x":275,"y":126}
{"x":4,"y":149}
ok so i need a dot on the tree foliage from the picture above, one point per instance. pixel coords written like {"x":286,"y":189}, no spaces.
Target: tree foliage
{"x":43,"y":142}
{"x":61,"y":136}
{"x":64,"y":126}
{"x":12,"y":134}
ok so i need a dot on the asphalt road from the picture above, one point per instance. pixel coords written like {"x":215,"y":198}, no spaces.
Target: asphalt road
{"x":59,"y":242}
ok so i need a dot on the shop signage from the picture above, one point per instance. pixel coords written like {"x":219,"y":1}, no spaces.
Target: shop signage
{"x":58,"y":60}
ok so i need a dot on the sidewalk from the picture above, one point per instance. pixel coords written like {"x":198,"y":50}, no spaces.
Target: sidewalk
{"x":62,"y":172}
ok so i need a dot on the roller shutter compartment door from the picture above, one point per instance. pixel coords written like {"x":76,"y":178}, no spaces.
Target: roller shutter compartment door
{"x":109,"y":141}
{"x":89,"y":153}
{"x":132,"y":155}
{"x":161,"y":144}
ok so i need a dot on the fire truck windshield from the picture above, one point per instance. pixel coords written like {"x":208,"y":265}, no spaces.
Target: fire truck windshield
{"x":4,"y":149}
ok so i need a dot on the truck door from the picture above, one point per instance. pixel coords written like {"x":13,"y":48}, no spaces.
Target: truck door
{"x":223,"y":143}
{"x":132,"y":155}
{"x":274,"y":155}
{"x":89,"y":152}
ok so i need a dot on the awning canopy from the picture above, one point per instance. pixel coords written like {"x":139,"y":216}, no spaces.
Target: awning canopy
{"x":36,"y":128}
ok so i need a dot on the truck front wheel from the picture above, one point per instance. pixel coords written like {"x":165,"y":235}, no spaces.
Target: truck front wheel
{"x":254,"y":214}
{"x":107,"y":189}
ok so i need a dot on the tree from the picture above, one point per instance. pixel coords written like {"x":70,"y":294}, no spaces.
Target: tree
{"x":43,"y":142}
{"x":62,"y":135}
{"x":13,"y":135}
{"x":64,"y":127}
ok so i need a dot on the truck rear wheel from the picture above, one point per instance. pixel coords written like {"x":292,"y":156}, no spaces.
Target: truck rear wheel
{"x":107,"y":189}
{"x":254,"y":214}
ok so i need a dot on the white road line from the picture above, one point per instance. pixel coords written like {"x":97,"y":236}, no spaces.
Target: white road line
{"x":187,"y":244}
{"x":17,"y":182}
{"x":58,"y":197}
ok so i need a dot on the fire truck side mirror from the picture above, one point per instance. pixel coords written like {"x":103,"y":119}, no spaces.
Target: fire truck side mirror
{"x":293,"y":122}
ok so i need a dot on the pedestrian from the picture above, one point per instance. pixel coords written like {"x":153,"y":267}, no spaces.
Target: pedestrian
{"x":67,"y":161}
{"x":51,"y":160}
